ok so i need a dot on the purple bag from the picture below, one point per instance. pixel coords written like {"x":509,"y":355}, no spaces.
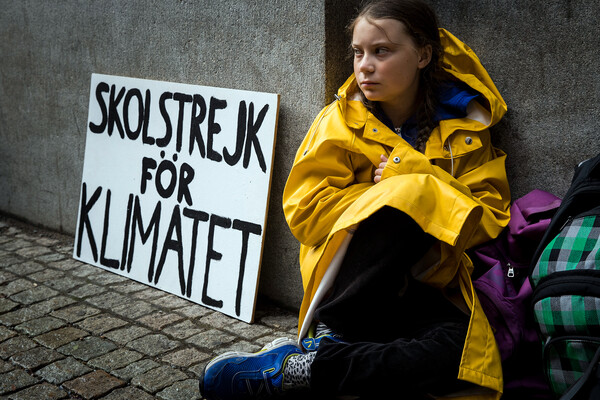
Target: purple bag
{"x":505,"y":293}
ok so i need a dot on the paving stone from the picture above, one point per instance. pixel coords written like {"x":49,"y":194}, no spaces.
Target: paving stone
{"x":248,"y":331}
{"x":6,"y":261}
{"x":94,"y":384}
{"x":27,"y":236}
{"x":128,"y":286}
{"x":198,"y":369}
{"x":15,"y":286}
{"x":63,"y":370}
{"x":19,"y":316}
{"x":187,"y":389}
{"x":97,"y":271}
{"x":16,"y":269}
{"x":16,"y":244}
{"x":32,"y":251}
{"x":15,"y":380}
{"x":87,"y":290}
{"x":217,"y":320}
{"x":100,"y":324}
{"x":47,"y":274}
{"x":109,"y":300}
{"x":60,"y":337}
{"x":7,"y":305}
{"x":153,"y":344}
{"x":158,"y":319}
{"x":36,"y":358}
{"x":15,"y":345}
{"x":50,"y":257}
{"x":158,"y":378}
{"x":125,"y":335}
{"x":115,"y":359}
{"x":5,"y":276}
{"x":53,"y":304}
{"x":66,"y":284}
{"x":185,"y":357}
{"x":27,"y":267}
{"x":75,"y":313}
{"x":171,"y":301}
{"x":194,"y":311}
{"x":87,"y":348}
{"x":44,"y":391}
{"x":129,"y":393}
{"x":12,"y":230}
{"x":84,"y":270}
{"x":211,"y":339}
{"x":6,"y":333}
{"x":65,"y":249}
{"x":6,"y":366}
{"x":44,"y":241}
{"x":242,"y":346}
{"x":134,"y":309}
{"x":66,"y":265}
{"x":108,"y":278}
{"x":38,"y":326}
{"x":278,"y":320}
{"x":34,"y":295}
{"x":183,"y":329}
{"x":149,"y":293}
{"x":293,"y":332}
{"x":135,"y":369}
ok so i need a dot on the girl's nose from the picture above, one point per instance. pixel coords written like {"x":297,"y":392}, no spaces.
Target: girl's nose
{"x":366,"y":64}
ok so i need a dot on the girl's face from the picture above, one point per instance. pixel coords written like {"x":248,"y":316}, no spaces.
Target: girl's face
{"x":387,"y":64}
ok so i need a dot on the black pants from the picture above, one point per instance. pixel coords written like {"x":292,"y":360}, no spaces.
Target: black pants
{"x":403,"y":336}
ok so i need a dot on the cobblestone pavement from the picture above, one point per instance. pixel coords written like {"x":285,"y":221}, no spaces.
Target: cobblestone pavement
{"x":72,"y":330}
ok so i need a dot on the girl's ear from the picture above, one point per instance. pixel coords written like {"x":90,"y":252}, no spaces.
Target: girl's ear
{"x":424,"y":56}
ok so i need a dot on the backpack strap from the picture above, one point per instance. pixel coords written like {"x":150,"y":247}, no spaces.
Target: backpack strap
{"x":574,"y":390}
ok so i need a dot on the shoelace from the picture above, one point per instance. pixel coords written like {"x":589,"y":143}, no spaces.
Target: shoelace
{"x":323,"y":329}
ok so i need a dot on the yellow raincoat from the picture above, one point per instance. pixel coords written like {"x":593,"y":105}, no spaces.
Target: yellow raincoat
{"x":457,"y":192}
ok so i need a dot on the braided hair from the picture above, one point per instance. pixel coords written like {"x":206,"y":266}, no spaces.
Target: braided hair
{"x":422,"y":25}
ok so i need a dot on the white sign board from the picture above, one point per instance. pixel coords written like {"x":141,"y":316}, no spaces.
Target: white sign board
{"x":175,"y":187}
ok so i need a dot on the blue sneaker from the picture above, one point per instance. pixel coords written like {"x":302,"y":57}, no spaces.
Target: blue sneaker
{"x":312,"y":343}
{"x":318,"y":332}
{"x":237,"y":375}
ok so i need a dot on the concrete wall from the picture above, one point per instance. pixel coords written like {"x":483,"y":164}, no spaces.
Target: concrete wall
{"x":543,"y":57}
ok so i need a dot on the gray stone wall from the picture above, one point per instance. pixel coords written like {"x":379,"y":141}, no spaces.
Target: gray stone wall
{"x":543,"y":57}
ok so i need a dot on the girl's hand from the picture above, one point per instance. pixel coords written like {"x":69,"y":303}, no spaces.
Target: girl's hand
{"x":379,"y":171}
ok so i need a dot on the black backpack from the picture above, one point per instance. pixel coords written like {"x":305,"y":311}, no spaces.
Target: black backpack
{"x":565,"y":277}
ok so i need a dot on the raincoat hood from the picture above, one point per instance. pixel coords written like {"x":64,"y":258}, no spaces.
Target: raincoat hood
{"x":459,"y":61}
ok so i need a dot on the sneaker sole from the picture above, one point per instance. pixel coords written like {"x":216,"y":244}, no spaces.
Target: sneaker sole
{"x":279,"y":342}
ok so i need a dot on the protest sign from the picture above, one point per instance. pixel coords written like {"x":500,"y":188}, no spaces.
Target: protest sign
{"x":175,"y":187}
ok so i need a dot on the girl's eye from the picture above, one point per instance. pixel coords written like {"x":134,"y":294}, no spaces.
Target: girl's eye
{"x":381,"y":50}
{"x":357,"y":52}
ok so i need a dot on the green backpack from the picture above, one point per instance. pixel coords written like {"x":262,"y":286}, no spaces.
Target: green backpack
{"x":566,"y":289}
